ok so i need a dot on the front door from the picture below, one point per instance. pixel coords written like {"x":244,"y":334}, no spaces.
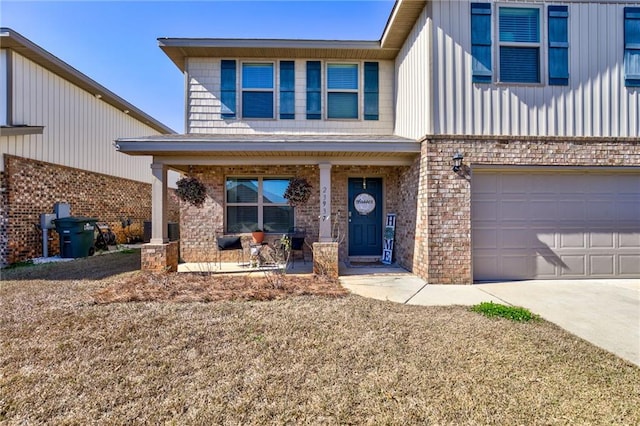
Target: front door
{"x":365,"y":216}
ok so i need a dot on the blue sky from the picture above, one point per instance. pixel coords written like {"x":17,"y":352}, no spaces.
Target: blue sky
{"x":115,"y":42}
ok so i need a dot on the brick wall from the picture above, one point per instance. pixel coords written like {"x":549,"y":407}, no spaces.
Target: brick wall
{"x":444,"y":226}
{"x":4,"y":220}
{"x":34,"y":186}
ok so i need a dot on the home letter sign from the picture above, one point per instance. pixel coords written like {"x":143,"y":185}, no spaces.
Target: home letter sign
{"x":389,"y":236}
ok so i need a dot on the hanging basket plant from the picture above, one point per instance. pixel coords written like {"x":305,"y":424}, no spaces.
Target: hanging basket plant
{"x":191,"y":190}
{"x":298,"y":191}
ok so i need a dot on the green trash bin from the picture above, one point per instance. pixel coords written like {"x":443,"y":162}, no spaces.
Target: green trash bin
{"x":76,"y":236}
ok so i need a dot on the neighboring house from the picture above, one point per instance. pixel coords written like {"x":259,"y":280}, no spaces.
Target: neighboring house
{"x":541,"y":99}
{"x":57,"y":128}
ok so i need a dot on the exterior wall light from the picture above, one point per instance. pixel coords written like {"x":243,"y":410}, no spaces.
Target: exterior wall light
{"x":457,"y":162}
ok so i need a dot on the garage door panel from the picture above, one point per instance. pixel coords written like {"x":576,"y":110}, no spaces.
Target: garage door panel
{"x":602,"y":265}
{"x":555,"y":224}
{"x":629,"y":239}
{"x":629,"y":265}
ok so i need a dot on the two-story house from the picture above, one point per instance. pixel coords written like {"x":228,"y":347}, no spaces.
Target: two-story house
{"x":504,"y":135}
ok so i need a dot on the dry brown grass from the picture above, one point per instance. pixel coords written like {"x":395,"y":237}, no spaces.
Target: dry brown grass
{"x":67,"y":360}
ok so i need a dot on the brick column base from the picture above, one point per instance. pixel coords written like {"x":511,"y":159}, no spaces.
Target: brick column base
{"x":160,"y":257}
{"x":325,"y":259}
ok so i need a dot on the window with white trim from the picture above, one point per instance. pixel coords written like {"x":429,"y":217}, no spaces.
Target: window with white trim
{"x":257,"y":90}
{"x":519,"y":45}
{"x":342,"y":91}
{"x":257,"y":203}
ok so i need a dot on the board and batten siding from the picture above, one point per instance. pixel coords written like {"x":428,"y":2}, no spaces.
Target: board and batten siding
{"x":413,"y":84}
{"x":79,"y":129}
{"x":595,"y":103}
{"x":203,"y":103}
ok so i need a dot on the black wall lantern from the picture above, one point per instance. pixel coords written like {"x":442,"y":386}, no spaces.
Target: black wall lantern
{"x":457,"y":162}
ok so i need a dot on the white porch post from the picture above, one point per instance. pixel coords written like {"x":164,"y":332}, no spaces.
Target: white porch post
{"x":159,"y":232}
{"x":325,"y":203}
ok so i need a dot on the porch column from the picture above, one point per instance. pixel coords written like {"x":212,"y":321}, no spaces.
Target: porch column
{"x":325,"y":203}
{"x":159,"y":232}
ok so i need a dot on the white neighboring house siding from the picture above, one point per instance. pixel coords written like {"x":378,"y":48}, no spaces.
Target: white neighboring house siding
{"x":203,"y":104}
{"x":414,"y":90}
{"x":595,"y":103}
{"x":79,"y":129}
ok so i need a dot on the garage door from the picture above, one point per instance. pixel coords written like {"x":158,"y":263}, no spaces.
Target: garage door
{"x":555,"y":223}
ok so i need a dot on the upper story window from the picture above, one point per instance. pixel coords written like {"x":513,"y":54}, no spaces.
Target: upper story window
{"x":519,"y":38}
{"x":342,"y":91}
{"x":519,"y":54}
{"x":257,"y":90}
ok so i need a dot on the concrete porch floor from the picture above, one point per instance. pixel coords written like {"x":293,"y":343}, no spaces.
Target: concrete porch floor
{"x":244,"y":268}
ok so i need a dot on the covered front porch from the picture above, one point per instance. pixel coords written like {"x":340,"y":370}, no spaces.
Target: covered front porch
{"x":243,"y":175}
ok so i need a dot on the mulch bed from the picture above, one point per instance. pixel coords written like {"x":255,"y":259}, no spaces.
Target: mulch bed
{"x":196,"y":287}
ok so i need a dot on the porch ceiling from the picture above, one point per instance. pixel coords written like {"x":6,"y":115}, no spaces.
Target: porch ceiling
{"x":191,"y":149}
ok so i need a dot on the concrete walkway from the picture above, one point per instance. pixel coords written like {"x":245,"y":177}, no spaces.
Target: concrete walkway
{"x":603,"y":312}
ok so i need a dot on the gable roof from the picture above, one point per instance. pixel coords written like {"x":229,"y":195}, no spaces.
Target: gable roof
{"x":403,"y":16}
{"x":10,"y":39}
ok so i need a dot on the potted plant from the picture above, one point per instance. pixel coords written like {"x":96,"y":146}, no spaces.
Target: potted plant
{"x":298,"y":191}
{"x":191,"y":190}
{"x":258,"y":235}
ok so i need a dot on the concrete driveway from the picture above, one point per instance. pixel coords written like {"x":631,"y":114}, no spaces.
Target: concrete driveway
{"x":603,"y":312}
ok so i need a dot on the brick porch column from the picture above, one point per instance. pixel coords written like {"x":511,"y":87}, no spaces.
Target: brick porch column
{"x":325,"y":203}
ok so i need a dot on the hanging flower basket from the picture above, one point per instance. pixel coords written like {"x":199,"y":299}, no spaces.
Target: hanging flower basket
{"x":298,"y":191}
{"x":191,"y":190}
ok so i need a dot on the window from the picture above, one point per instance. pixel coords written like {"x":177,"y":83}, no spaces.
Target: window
{"x":257,"y":90}
{"x":519,"y":44}
{"x":632,"y":46}
{"x":258,"y":203}
{"x":342,"y":91}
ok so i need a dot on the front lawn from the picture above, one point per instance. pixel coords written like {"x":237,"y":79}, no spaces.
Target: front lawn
{"x":65,"y":359}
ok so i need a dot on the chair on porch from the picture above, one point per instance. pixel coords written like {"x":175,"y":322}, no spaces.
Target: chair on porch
{"x":296,"y":236}
{"x":229,"y":243}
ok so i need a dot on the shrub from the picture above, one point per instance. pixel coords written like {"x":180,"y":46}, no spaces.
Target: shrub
{"x":514,"y":313}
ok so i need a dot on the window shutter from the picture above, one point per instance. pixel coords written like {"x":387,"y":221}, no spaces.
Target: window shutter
{"x":287,"y":90}
{"x":481,"y":42}
{"x":371,"y":88}
{"x":314,"y":85}
{"x":558,"y":45}
{"x":632,"y":46}
{"x":228,"y":88}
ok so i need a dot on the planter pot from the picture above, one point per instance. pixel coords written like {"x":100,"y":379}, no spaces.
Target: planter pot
{"x":258,"y":237}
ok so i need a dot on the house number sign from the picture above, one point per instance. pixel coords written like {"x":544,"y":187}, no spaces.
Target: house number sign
{"x":364,"y":203}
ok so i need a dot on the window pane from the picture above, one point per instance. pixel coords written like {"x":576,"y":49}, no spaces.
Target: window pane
{"x":519,"y":64}
{"x":519,"y":25}
{"x":242,"y":191}
{"x":343,"y":105}
{"x":257,"y":104}
{"x":257,"y":76}
{"x":242,"y":218}
{"x":342,"y":76}
{"x":273,"y":190}
{"x":278,"y":218}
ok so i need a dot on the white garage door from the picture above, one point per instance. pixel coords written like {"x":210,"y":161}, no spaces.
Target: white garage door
{"x":555,"y":223}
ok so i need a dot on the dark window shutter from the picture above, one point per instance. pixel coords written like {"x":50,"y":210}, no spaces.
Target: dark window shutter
{"x":314,"y":87}
{"x":287,"y":90}
{"x":558,"y":45}
{"x":481,"y":42}
{"x":228,"y":89}
{"x":632,"y":46}
{"x":371,"y":90}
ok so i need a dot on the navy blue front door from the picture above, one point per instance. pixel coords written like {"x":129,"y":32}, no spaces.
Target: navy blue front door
{"x":365,"y":216}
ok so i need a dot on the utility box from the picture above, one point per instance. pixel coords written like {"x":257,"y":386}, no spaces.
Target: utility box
{"x":62,"y":210}
{"x":46,"y":221}
{"x":76,"y":236}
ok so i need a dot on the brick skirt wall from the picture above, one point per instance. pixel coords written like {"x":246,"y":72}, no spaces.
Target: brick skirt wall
{"x":443,"y":241}
{"x":32,"y":188}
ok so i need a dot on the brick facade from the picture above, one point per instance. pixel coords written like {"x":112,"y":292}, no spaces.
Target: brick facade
{"x":160,"y":257}
{"x":32,"y":188}
{"x":443,"y":241}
